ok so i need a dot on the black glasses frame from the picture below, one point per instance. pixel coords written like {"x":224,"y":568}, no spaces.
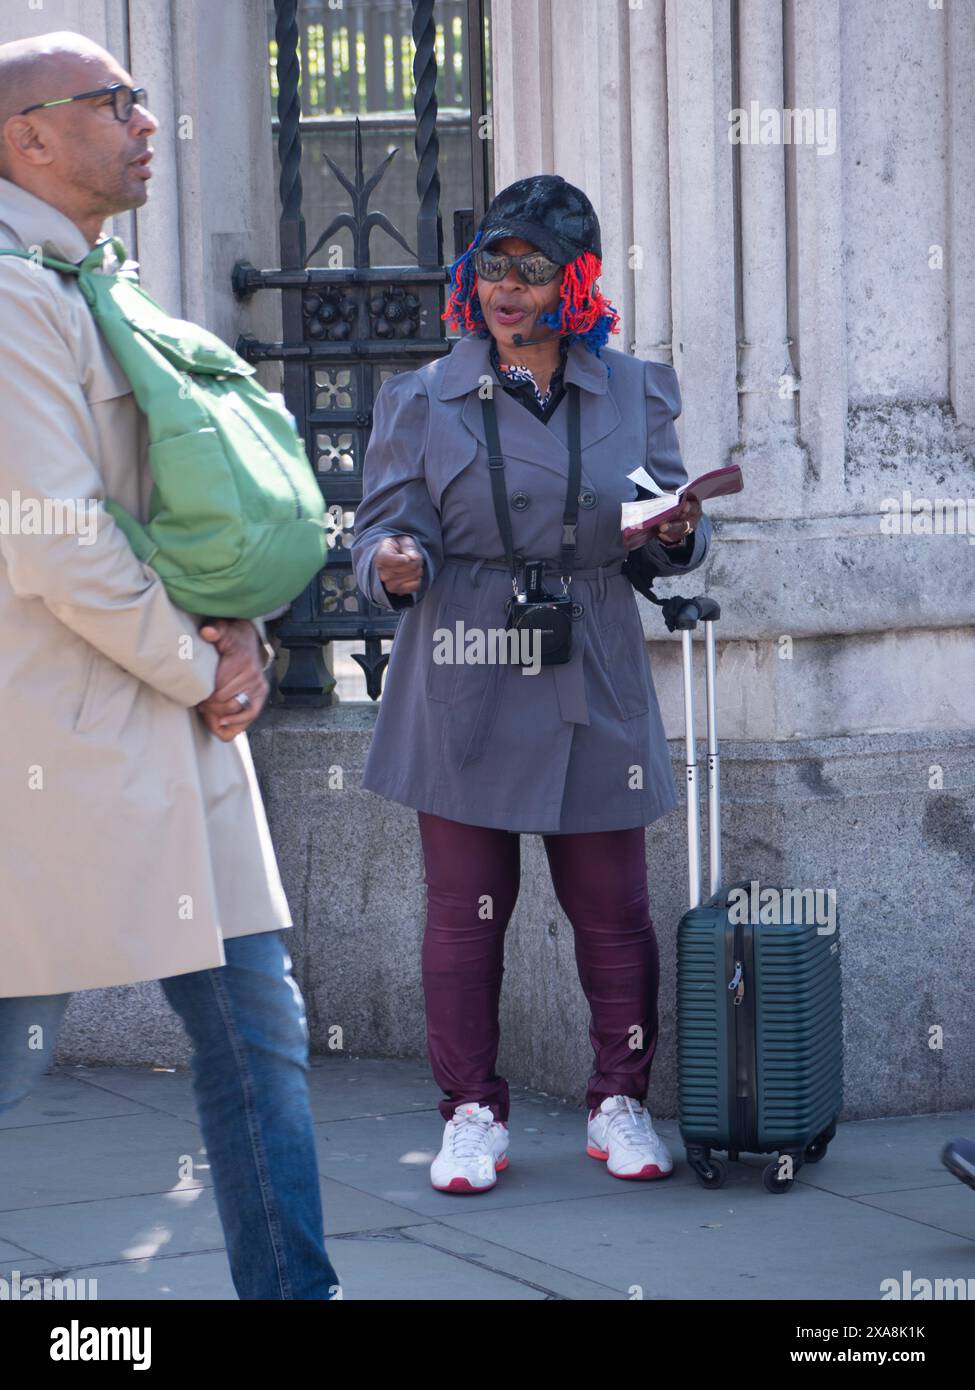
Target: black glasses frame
{"x":545,"y":268}
{"x":136,"y":97}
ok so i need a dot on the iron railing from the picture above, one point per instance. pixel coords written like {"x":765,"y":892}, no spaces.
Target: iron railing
{"x":345,"y":328}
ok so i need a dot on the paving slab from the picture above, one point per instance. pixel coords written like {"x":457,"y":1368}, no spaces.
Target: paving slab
{"x":398,"y":1269}
{"x":118,"y":1228}
{"x":201,"y":1276}
{"x":342,"y":1088}
{"x":944,"y":1208}
{"x":743,"y":1244}
{"x":888,"y":1155}
{"x":10,"y":1250}
{"x":33,"y":1267}
{"x":63,"y":1097}
{"x":348,"y":1210}
{"x":164,"y":1223}
{"x":168,"y":1090}
{"x":115,"y":1156}
{"x":474,"y":1247}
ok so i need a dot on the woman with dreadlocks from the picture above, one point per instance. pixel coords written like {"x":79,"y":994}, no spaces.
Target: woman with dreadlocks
{"x":518,"y":696}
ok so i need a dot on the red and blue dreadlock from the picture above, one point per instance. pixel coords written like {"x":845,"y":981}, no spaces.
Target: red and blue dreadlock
{"x":583,"y":313}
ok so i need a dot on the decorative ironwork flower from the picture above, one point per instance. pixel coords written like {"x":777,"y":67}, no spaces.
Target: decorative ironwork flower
{"x":395,"y":313}
{"x":329,"y":314}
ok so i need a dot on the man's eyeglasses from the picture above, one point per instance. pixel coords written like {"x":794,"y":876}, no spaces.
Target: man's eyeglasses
{"x":124,"y":100}
{"x":533,"y":266}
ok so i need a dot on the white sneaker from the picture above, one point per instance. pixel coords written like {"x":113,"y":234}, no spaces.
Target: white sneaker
{"x":474,"y":1151}
{"x":621,"y":1133}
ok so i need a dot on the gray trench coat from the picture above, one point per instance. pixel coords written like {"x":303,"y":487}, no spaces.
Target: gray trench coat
{"x":575,"y":747}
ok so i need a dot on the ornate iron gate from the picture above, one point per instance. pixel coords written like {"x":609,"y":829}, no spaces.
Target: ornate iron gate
{"x":345,"y":329}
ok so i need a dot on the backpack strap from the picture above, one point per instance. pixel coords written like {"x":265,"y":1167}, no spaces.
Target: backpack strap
{"x":92,"y":261}
{"x":50,"y":261}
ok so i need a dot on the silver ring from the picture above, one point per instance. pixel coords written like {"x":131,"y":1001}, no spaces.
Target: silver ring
{"x":242,"y":698}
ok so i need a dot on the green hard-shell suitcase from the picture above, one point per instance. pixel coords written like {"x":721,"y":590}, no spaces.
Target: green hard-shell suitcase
{"x":759,"y":1016}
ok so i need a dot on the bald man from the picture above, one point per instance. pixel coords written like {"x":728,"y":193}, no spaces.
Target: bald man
{"x":133,"y":840}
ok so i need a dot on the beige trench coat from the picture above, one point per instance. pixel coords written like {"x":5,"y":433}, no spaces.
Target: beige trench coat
{"x":132,"y":840}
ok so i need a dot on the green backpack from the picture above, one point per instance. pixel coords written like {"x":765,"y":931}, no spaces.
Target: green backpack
{"x":237,"y":523}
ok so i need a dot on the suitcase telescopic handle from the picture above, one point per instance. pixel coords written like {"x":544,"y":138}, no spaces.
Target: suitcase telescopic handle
{"x":683,"y":615}
{"x":709,"y":618}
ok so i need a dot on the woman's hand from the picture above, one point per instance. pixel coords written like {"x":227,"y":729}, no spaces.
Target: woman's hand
{"x":671,"y":532}
{"x":399,"y":564}
{"x":635,"y":538}
{"x":681,"y":524}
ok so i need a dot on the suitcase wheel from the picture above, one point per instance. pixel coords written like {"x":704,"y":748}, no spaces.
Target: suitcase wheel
{"x":710,"y":1171}
{"x":816,"y":1150}
{"x":772,"y":1175}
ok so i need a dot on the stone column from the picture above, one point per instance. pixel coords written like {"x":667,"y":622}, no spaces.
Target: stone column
{"x":645,"y":115}
{"x":765,"y":370}
{"x":702,"y":269}
{"x":103,"y":21}
{"x":212,"y":200}
{"x":522,"y":96}
{"x":560,"y":106}
{"x":960,"y":57}
{"x":813,"y":70}
{"x":159,"y":245}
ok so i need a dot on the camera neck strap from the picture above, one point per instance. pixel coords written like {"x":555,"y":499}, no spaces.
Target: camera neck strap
{"x":496,"y":468}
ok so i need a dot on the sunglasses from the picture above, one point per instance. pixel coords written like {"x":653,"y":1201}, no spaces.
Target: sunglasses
{"x":533,"y":266}
{"x":124,"y":100}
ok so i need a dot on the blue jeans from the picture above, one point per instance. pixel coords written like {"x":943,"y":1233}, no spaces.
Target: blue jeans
{"x":246,"y":1021}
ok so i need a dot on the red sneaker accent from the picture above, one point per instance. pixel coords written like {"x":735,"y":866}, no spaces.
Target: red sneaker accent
{"x":649,"y":1171}
{"x":463,"y":1188}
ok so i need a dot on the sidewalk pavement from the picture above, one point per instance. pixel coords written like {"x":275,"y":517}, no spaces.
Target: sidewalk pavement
{"x":90,"y":1187}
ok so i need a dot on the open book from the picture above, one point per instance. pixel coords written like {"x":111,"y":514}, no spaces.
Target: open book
{"x":660,"y":506}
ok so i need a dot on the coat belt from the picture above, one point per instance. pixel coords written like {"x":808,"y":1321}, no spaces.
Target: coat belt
{"x":568,"y":676}
{"x":551,"y":566}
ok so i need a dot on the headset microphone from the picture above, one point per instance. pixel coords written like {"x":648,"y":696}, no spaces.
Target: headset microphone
{"x":519,"y":341}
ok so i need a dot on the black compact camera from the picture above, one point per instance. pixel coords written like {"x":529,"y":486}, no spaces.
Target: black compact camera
{"x":535,"y":610}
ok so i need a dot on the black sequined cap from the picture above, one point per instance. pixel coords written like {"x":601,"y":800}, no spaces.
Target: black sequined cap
{"x":552,"y":214}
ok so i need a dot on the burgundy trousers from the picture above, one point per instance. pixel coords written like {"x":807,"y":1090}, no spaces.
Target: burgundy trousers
{"x":472,"y":873}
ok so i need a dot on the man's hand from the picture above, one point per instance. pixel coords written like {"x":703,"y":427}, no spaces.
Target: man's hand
{"x":239,"y":670}
{"x":399,"y":564}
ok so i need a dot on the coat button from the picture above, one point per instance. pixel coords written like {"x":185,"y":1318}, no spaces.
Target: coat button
{"x":520,"y":500}
{"x":588,"y":498}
